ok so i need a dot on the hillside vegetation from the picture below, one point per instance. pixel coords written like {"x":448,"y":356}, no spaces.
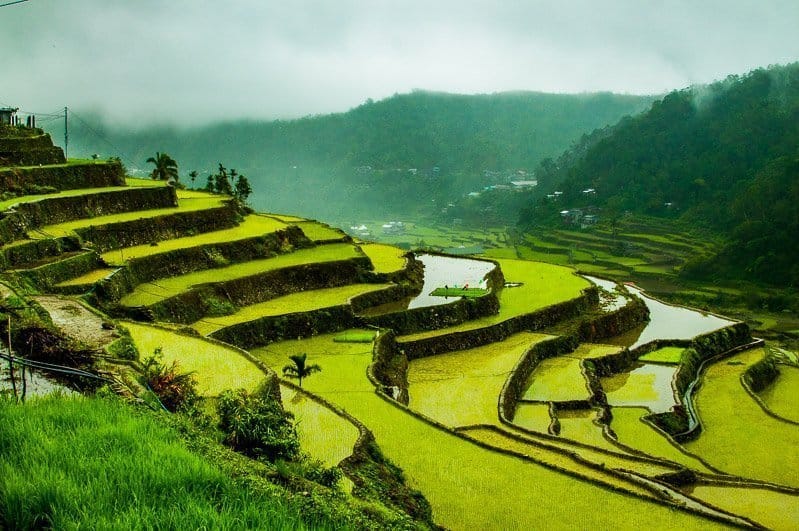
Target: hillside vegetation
{"x":356,"y":163}
{"x":722,"y":156}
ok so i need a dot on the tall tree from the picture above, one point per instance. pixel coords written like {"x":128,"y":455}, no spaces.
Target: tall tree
{"x":165,"y":167}
{"x":298,"y":369}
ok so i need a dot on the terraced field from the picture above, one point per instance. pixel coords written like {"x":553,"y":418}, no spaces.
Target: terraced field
{"x":577,"y":453}
{"x":152,"y":292}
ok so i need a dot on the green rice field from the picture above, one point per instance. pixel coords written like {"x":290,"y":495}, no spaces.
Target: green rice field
{"x":533,"y":416}
{"x":587,"y":351}
{"x":452,"y":472}
{"x":782,"y":396}
{"x":152,"y":292}
{"x":215,"y":366}
{"x":385,"y":258}
{"x":252,"y":226}
{"x":664,"y":355}
{"x":738,"y":437}
{"x":633,"y":432}
{"x":89,"y":278}
{"x":303,"y":301}
{"x":557,"y":379}
{"x":579,"y":425}
{"x":769,"y":508}
{"x":316,"y":231}
{"x":323,"y":434}
{"x":462,"y":388}
{"x":648,"y":385}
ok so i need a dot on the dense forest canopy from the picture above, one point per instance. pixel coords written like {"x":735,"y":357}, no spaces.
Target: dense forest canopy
{"x":723,"y":156}
{"x":358,"y":162}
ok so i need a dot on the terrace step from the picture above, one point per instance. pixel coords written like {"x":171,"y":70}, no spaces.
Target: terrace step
{"x":62,"y":208}
{"x":62,"y":176}
{"x":186,"y":298}
{"x":83,"y":283}
{"x":25,"y":254}
{"x":54,"y":270}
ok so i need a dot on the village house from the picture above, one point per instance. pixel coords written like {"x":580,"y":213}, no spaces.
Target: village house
{"x":8,"y":115}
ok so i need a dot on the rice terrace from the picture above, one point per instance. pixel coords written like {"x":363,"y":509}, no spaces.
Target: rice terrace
{"x":505,"y":389}
{"x":251,"y":277}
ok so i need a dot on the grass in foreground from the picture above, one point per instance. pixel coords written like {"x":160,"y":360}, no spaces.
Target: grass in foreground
{"x":152,"y":292}
{"x":95,"y":464}
{"x":463,"y":482}
{"x":215,"y":366}
{"x":303,"y":301}
{"x":738,"y":437}
{"x":252,"y":226}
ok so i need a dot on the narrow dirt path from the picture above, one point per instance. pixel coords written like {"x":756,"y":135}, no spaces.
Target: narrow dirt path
{"x":76,"y":321}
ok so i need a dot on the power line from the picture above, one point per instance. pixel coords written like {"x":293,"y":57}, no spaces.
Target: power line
{"x":12,"y":3}
{"x":103,"y":138}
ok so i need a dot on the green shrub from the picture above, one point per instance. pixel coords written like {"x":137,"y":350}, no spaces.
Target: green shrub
{"x":175,"y":389}
{"x":256,"y":425}
{"x":310,"y":469}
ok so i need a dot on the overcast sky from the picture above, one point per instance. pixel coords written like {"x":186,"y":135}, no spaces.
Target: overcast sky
{"x":194,"y":61}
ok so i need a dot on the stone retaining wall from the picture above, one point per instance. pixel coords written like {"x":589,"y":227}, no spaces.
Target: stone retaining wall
{"x":193,"y":304}
{"x":21,"y":254}
{"x":293,"y":325}
{"x":500,"y":331}
{"x":47,"y":275}
{"x":61,"y":209}
{"x":66,"y":177}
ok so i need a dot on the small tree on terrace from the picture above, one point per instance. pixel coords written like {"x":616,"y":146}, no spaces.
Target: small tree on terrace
{"x":299,"y":369}
{"x":165,"y":167}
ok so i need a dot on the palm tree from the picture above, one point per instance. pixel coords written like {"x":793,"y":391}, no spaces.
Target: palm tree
{"x":165,"y":167}
{"x":299,"y":370}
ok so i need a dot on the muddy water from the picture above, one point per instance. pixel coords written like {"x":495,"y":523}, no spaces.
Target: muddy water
{"x":440,"y":271}
{"x":669,"y":322}
{"x":611,"y":300}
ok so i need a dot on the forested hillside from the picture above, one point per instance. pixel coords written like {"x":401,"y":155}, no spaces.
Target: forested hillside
{"x":358,"y":162}
{"x":724,"y":156}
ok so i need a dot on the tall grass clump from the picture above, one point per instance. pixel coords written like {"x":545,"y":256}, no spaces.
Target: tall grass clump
{"x":68,"y":463}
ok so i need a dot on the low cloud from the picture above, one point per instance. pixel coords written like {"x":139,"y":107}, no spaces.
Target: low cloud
{"x":191,"y":62}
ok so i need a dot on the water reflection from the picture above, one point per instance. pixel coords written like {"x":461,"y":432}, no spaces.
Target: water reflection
{"x":647,"y":385}
{"x":440,"y":271}
{"x":670,"y":322}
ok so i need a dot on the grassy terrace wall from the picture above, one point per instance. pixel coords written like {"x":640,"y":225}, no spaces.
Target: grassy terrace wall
{"x":390,"y":367}
{"x":589,"y":330}
{"x":760,"y":375}
{"x":436,"y":317}
{"x":293,"y":325}
{"x":194,"y":304}
{"x":26,"y":253}
{"x":45,"y":276}
{"x":14,"y":225}
{"x":182,"y":261}
{"x":494,"y":333}
{"x":33,"y":156}
{"x":63,"y":177}
{"x":154,"y":229}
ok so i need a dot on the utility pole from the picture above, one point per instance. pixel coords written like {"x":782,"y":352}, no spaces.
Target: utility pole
{"x":66,"y":134}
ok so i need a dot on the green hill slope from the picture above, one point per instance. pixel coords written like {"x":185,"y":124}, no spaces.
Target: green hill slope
{"x":356,"y":163}
{"x":722,"y":156}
